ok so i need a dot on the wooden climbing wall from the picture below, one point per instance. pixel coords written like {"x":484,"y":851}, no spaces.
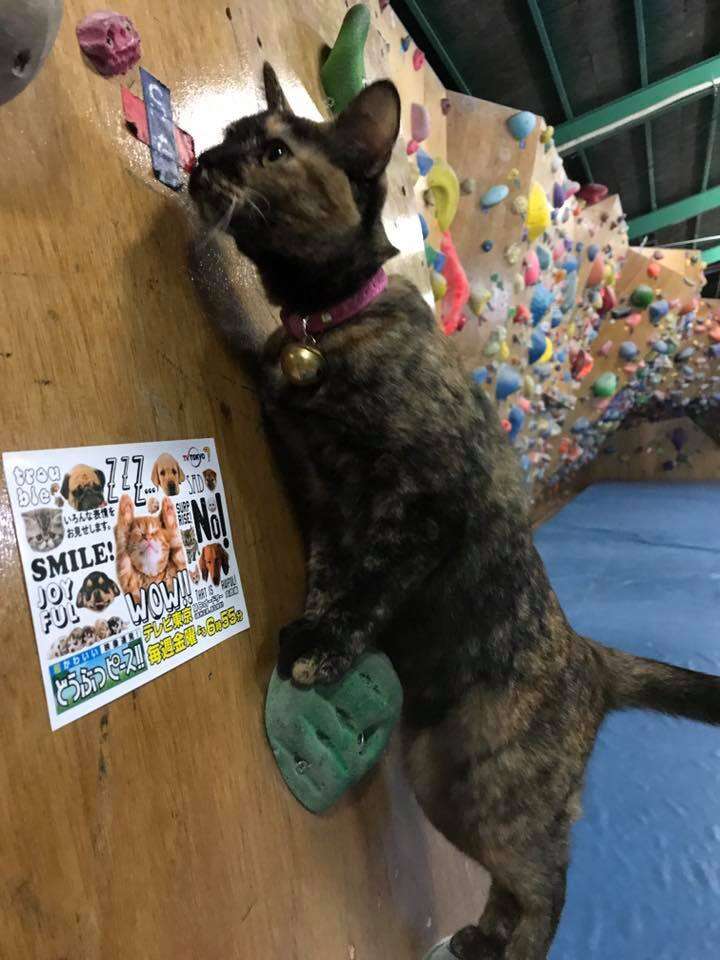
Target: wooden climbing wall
{"x":160,"y":827}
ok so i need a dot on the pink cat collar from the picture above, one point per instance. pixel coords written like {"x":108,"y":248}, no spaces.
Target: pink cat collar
{"x":298,"y":325}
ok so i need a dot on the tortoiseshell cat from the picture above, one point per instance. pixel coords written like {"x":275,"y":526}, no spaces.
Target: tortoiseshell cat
{"x":417,"y":532}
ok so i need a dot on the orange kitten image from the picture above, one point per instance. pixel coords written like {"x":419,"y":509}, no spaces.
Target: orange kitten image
{"x":148,"y":549}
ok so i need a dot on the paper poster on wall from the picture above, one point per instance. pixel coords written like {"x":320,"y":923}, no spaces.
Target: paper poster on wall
{"x":129,"y":564}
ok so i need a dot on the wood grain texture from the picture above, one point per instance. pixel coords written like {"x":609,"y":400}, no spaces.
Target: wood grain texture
{"x":160,"y":828}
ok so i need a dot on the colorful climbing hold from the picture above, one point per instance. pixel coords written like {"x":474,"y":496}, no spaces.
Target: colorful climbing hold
{"x":543,"y":255}
{"x":508,"y":381}
{"x":419,"y":122}
{"x":405,"y":43}
{"x":592,"y":193}
{"x":642,"y":296}
{"x":445,"y":106}
{"x":443,"y":184}
{"x":538,"y":215}
{"x":592,"y":251}
{"x":597,"y":271}
{"x":487,"y":245}
{"x":532,"y":268}
{"x":424,"y":162}
{"x":438,"y":284}
{"x":418,"y":59}
{"x":547,"y":135}
{"x":542,"y":298}
{"x":458,"y":288}
{"x":343,"y":72}
{"x":653,"y":270}
{"x":522,"y":314}
{"x":628,"y":350}
{"x":606,"y":384}
{"x":424,"y":227}
{"x":493,"y":196}
{"x":412,"y":147}
{"x":467,"y":186}
{"x":521,"y":125}
{"x":480,"y":375}
{"x":558,"y":195}
{"x":539,"y":343}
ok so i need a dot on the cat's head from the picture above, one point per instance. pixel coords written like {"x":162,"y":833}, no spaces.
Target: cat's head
{"x":148,"y":545}
{"x":304,"y":199}
{"x":44,"y":529}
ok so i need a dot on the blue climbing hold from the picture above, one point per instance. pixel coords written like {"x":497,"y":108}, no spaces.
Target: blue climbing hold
{"x":568,"y":244}
{"x":570,"y":292}
{"x":659,"y":346}
{"x":592,"y":251}
{"x":628,"y":350}
{"x":480,"y":375}
{"x":581,"y":425}
{"x":517,"y":418}
{"x":543,"y":255}
{"x":658,"y":310}
{"x":521,"y":125}
{"x":424,"y":161}
{"x":487,"y":245}
{"x":508,"y":381}
{"x":405,"y":44}
{"x":424,"y":227}
{"x":556,"y":318}
{"x":570,"y":265}
{"x":558,"y":197}
{"x":439,"y":263}
{"x":540,"y":303}
{"x":684,"y":354}
{"x":494,"y":195}
{"x":538,"y":345}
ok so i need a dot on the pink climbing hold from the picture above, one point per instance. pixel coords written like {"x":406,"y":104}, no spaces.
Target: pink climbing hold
{"x":634,"y":320}
{"x":597,"y":271}
{"x":609,"y":299}
{"x":606,"y":349}
{"x":109,"y":41}
{"x":524,"y":404}
{"x":412,"y":147}
{"x":592,"y":193}
{"x":558,"y":251}
{"x":419,"y":122}
{"x":458,"y":288}
{"x":522,"y":314}
{"x":418,"y":58}
{"x":532,"y":268}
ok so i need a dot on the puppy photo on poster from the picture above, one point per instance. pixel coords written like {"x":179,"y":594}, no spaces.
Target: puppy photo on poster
{"x":129,"y":564}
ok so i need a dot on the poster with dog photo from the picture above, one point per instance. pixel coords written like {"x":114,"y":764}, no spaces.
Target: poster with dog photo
{"x":129,"y":564}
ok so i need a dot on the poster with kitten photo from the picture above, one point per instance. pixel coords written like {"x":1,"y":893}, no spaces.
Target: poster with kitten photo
{"x":129,"y":564}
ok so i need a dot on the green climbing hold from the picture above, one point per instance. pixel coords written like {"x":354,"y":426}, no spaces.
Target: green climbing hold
{"x":606,"y":385}
{"x":642,"y":296}
{"x":326,"y":738}
{"x":343,"y":72}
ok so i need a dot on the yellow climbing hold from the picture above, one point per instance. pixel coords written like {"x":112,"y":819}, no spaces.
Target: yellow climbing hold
{"x":547,"y":355}
{"x":504,"y":351}
{"x":547,"y":134}
{"x":438,"y":284}
{"x":538,"y":215}
{"x":443,"y":183}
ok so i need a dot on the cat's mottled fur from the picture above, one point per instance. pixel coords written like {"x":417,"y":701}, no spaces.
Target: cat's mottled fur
{"x":417,"y":531}
{"x":44,"y":528}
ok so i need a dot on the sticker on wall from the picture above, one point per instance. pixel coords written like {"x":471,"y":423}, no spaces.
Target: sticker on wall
{"x":128,"y":561}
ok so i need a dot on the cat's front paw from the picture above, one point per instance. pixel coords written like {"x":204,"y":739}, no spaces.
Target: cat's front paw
{"x":309,"y":659}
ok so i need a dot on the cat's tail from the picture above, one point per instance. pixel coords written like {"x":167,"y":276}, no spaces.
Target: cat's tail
{"x":652,"y":685}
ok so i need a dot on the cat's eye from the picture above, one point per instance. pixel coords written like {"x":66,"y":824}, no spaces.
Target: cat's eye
{"x":276,"y":150}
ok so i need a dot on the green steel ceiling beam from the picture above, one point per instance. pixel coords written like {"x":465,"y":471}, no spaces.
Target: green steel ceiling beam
{"x":674,"y":213}
{"x":417,"y":11}
{"x":642,"y":55}
{"x":556,"y":75}
{"x":711,"y":255}
{"x":708,"y":154}
{"x":637,"y":107}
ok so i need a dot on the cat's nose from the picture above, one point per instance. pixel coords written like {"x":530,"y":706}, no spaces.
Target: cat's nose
{"x":225,"y":158}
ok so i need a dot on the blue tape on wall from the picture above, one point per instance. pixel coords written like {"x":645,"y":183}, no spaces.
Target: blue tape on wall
{"x":637,"y":566}
{"x":163,"y":149}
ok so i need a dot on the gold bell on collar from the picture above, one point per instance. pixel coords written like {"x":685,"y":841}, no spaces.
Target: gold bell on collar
{"x":302,"y":364}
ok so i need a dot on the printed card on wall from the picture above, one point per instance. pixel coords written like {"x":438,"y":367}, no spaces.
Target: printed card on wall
{"x":129,"y":564}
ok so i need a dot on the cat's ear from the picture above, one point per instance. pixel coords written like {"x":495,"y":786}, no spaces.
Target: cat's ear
{"x":366,"y":130}
{"x":65,"y":488}
{"x":273,"y":91}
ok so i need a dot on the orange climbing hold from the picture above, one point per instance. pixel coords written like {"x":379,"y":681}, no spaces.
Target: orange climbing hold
{"x":458,"y":288}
